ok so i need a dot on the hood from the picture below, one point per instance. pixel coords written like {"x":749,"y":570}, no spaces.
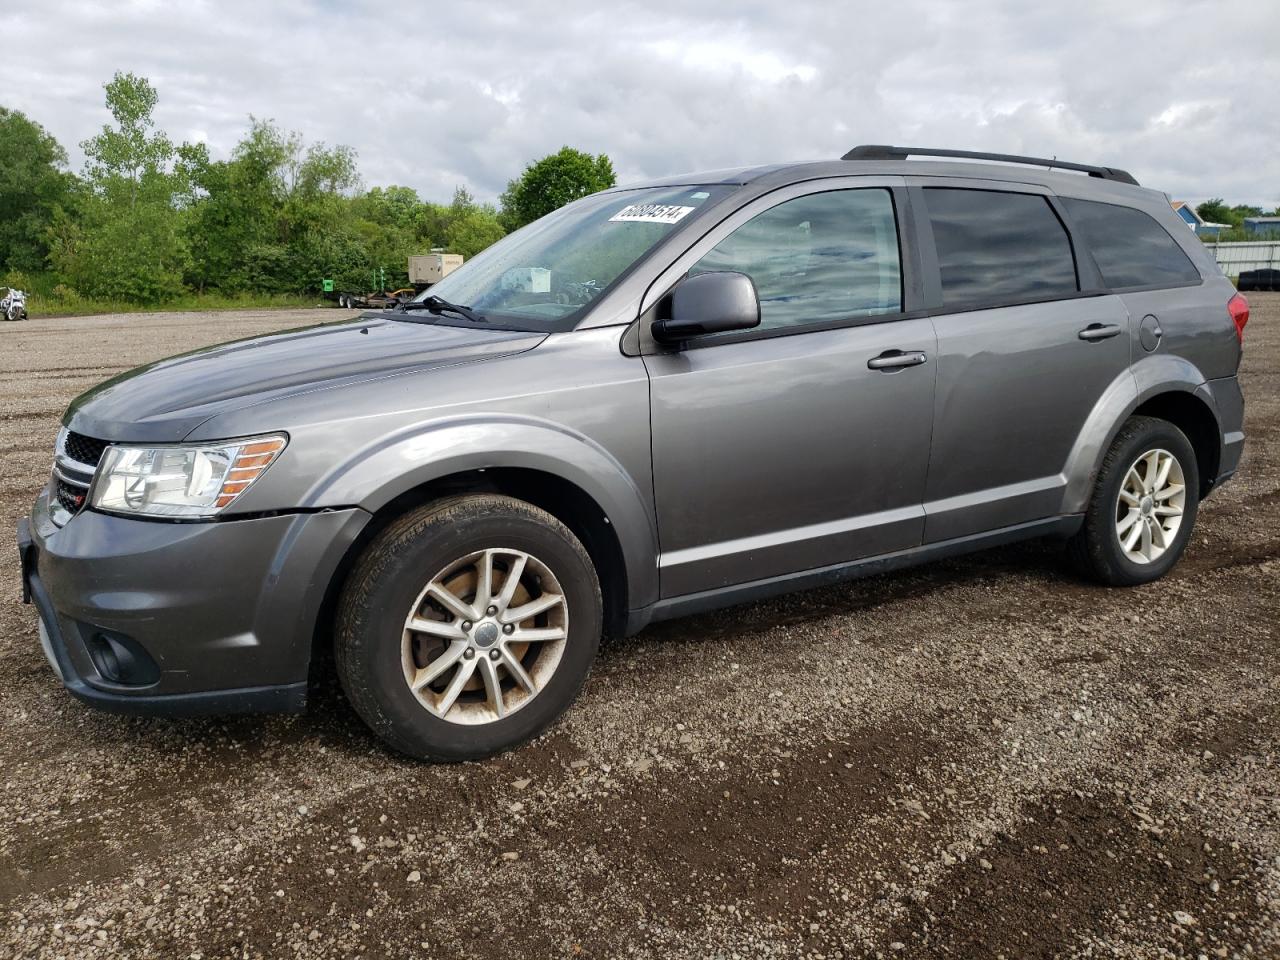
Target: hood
{"x":163,"y":402}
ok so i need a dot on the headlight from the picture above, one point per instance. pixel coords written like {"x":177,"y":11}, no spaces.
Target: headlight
{"x":181,"y":481}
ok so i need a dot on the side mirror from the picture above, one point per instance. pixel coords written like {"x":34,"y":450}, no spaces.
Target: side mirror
{"x":709,"y":303}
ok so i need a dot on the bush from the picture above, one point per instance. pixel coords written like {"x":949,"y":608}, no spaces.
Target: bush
{"x":18,"y":280}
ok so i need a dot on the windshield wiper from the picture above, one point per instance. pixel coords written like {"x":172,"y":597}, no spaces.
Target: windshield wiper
{"x":441,"y":305}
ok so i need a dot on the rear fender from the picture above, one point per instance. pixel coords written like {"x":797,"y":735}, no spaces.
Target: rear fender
{"x":1149,"y":377}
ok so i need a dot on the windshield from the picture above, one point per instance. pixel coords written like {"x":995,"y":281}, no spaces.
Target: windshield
{"x":543,"y":276}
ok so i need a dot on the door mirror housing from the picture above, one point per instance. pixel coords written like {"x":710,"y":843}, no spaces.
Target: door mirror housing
{"x":709,"y":303}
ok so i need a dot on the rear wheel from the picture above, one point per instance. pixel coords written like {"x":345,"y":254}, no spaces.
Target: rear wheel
{"x":467,"y":627}
{"x":1143,"y":508}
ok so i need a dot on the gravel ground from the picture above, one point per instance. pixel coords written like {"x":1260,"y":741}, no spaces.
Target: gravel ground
{"x":980,"y":758}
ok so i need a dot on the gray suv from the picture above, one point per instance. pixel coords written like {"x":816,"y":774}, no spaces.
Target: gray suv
{"x":657,"y":400}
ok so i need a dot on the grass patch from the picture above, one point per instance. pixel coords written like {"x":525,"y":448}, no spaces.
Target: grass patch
{"x":77,"y":306}
{"x":48,"y":298}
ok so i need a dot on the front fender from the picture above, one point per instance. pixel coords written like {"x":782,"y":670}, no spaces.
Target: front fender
{"x":1149,"y":377}
{"x":373,"y":476}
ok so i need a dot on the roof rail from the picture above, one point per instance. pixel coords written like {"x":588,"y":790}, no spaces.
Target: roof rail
{"x":876,"y":151}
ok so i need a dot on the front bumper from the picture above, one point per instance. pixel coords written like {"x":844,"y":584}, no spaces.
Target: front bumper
{"x":221,"y":615}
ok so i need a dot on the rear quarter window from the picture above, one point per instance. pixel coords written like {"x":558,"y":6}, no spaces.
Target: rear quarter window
{"x":1130,"y":247}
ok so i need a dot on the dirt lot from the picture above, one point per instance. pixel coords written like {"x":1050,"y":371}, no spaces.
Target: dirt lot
{"x":981,"y":758}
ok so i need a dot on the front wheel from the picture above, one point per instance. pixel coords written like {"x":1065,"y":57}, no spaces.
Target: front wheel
{"x":467,"y":627}
{"x":1143,"y":507}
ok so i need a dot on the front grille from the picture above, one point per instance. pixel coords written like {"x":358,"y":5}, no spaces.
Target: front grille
{"x":85,"y":449}
{"x":70,"y":498}
{"x":75,"y":460}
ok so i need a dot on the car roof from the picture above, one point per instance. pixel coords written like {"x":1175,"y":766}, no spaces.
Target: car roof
{"x":781,"y":174}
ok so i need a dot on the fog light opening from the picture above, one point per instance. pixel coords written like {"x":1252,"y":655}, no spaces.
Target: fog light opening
{"x":120,"y":659}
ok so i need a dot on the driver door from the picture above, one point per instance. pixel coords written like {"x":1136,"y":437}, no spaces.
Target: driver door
{"x":802,"y":443}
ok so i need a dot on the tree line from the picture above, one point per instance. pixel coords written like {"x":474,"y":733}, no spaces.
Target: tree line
{"x":1217,"y":211}
{"x":148,"y":221}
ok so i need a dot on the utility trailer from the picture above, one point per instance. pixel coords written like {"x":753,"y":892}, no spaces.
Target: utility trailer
{"x":425,"y":271}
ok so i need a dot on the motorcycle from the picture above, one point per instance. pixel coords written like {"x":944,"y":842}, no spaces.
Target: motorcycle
{"x":13,"y":304}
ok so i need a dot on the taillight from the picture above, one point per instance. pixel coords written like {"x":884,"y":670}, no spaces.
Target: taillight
{"x":1238,"y":307}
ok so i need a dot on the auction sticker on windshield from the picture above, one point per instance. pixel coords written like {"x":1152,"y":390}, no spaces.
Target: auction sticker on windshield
{"x":651,"y":213}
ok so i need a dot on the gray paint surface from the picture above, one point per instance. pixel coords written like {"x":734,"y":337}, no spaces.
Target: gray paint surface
{"x":1015,"y":387}
{"x":802,"y":453}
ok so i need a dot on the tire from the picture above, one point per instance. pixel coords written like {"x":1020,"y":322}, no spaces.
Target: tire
{"x":378,"y":655}
{"x":15,"y":313}
{"x":1097,"y":550}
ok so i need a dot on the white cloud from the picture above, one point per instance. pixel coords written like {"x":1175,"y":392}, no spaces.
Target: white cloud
{"x":730,"y":56}
{"x":433,"y":96}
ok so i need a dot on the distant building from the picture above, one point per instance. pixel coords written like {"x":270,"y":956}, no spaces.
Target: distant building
{"x":1263,"y":225}
{"x":1191,"y":217}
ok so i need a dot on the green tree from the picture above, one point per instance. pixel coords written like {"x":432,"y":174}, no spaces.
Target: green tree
{"x":34,"y":185}
{"x":553,"y":181}
{"x":1214,"y":211}
{"x":1217,"y":211}
{"x":282,"y":215}
{"x":327,"y":171}
{"x":130,"y":160}
{"x":235,"y":208}
{"x":1235,"y":214}
{"x":469,"y":227}
{"x":129,"y":243}
{"x":316,"y":222}
{"x":139,"y":258}
{"x":473,"y":231}
{"x":389,"y":207}
{"x":387,"y":222}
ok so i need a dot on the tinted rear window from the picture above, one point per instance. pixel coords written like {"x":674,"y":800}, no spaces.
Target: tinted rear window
{"x":1130,"y":248}
{"x":996,"y":247}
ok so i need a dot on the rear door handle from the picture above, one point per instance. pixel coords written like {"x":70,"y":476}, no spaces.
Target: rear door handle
{"x":894,"y":359}
{"x":1099,"y":331}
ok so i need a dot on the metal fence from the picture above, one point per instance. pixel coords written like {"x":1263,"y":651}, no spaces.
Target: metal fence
{"x":1247,"y":255}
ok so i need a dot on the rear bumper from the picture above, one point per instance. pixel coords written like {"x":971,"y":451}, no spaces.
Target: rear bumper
{"x":1228,"y":401}
{"x":220,"y":616}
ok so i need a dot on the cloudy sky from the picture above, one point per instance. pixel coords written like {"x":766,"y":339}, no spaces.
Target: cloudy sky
{"x":436,"y":94}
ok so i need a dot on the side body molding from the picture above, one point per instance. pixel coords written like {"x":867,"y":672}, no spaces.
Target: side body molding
{"x":1147,"y":378}
{"x":373,"y":476}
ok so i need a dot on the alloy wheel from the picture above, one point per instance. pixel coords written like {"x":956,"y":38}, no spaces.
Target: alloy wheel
{"x":485,"y":636}
{"x":1150,"y":505}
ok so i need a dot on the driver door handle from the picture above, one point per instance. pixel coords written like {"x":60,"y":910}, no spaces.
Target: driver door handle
{"x":1099,"y":331}
{"x":896,"y":359}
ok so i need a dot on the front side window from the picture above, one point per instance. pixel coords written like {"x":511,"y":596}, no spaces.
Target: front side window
{"x":818,"y":258}
{"x":543,"y":276}
{"x":1130,"y":248}
{"x":995,"y":247}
